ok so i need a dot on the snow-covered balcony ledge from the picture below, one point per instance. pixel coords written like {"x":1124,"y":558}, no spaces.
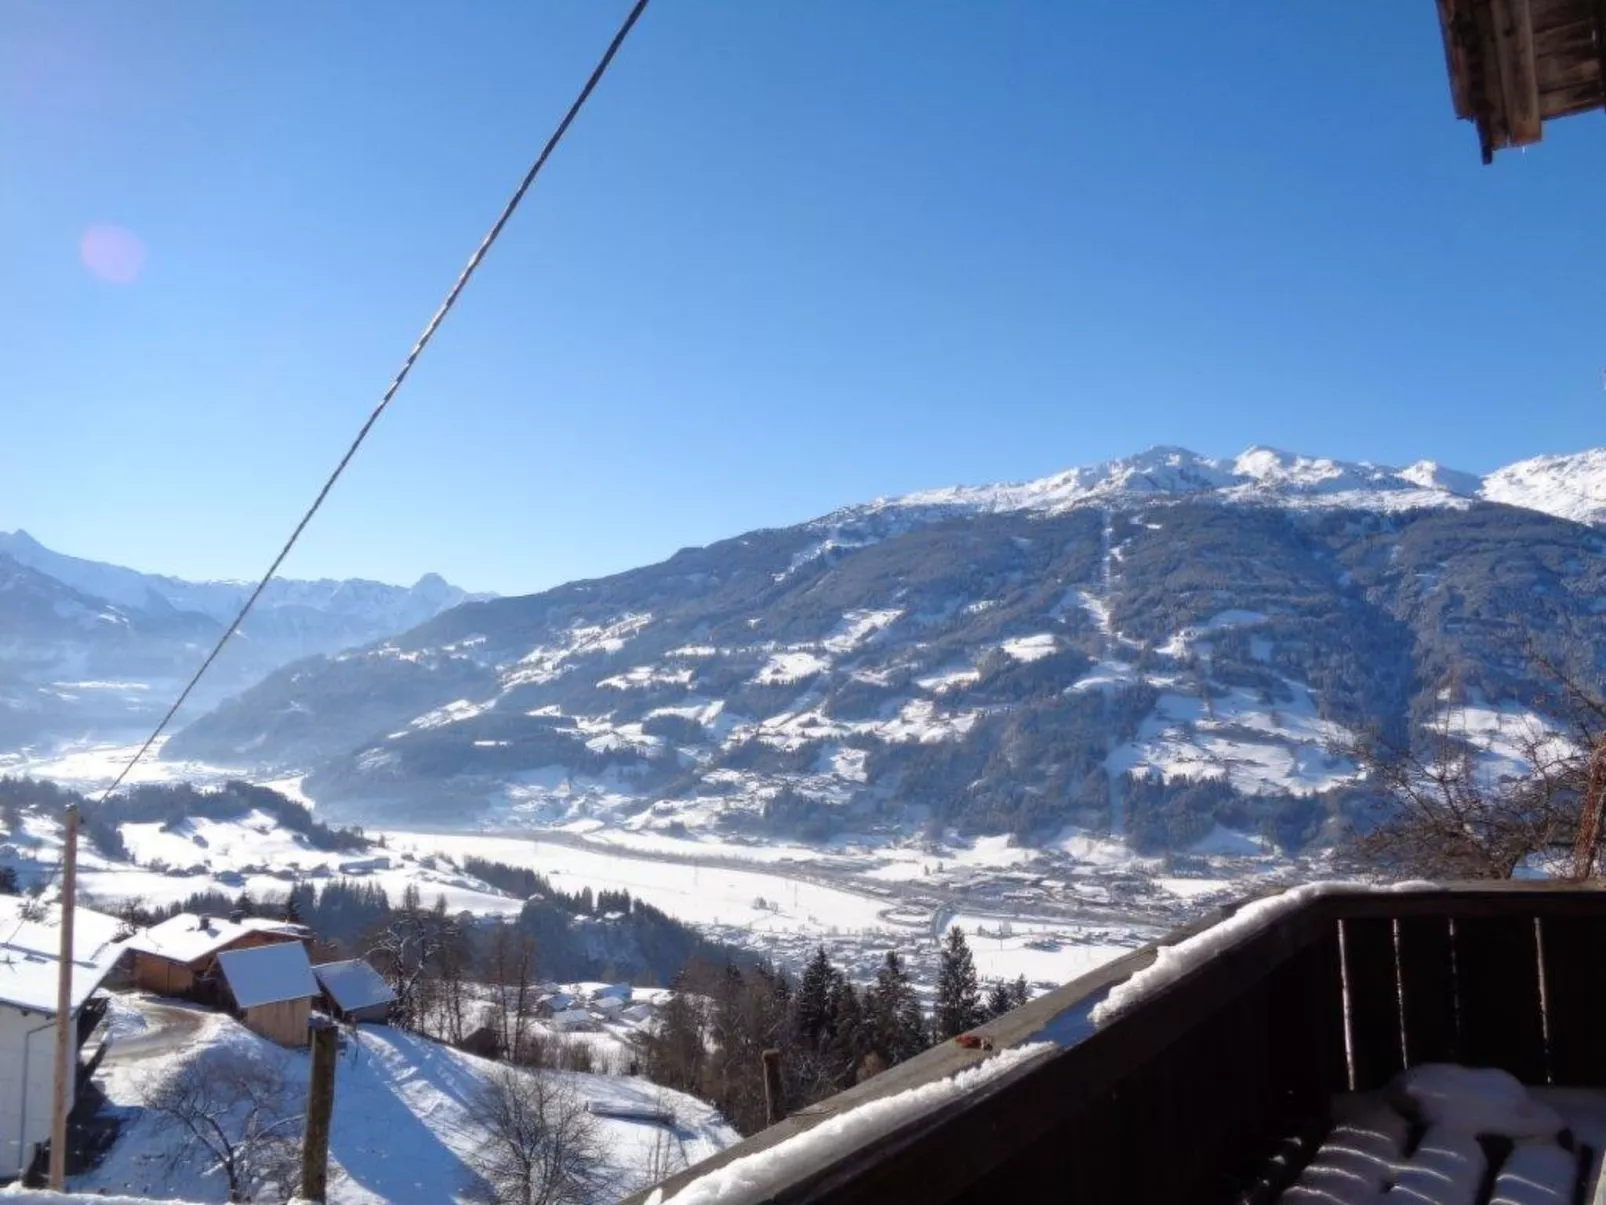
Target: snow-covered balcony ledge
{"x":1204,"y":1068}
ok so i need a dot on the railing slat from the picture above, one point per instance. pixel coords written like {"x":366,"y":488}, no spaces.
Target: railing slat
{"x":1374,"y":1001}
{"x":1428,"y":979}
{"x":1575,"y":989}
{"x":1497,"y":977}
{"x":1308,"y":1016}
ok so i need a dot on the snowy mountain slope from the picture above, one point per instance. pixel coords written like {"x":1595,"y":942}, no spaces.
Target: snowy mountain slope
{"x":1151,"y":648}
{"x":404,"y":1126}
{"x":89,"y":648}
{"x":1572,"y":487}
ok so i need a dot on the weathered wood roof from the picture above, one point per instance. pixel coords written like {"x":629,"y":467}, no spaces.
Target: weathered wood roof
{"x":1516,"y":64}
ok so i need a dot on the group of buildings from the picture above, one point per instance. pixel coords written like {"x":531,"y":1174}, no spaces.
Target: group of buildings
{"x":257,"y":969}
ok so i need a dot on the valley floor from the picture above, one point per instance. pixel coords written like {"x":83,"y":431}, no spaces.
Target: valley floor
{"x":1048,"y":913}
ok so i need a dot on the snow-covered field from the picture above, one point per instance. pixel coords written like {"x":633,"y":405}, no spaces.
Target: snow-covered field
{"x":404,"y":1128}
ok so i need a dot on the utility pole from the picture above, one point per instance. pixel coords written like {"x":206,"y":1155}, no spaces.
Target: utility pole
{"x":320,"y":1110}
{"x":774,"y":1105}
{"x":64,"y":1018}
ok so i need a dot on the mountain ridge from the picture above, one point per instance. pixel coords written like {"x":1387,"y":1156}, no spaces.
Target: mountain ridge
{"x":89,"y":648}
{"x":1153,"y":647}
{"x":1571,"y":485}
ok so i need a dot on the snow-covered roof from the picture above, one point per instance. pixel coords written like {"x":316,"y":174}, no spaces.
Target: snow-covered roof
{"x":268,"y":974}
{"x":353,"y":984}
{"x":30,"y":954}
{"x":186,"y":937}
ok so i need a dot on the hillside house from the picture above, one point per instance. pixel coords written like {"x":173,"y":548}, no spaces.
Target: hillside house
{"x":29,"y":966}
{"x":353,"y":991}
{"x":574,"y":1020}
{"x":177,"y":957}
{"x":553,"y":1003}
{"x":271,"y":989}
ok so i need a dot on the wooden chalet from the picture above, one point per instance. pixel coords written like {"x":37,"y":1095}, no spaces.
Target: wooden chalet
{"x":1516,"y":64}
{"x":271,"y":989}
{"x":1224,"y":1076}
{"x":178,"y":956}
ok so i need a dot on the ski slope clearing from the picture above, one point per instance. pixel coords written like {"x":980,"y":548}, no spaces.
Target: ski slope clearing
{"x":404,"y":1129}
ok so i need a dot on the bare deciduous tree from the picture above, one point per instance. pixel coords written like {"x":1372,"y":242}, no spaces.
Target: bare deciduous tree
{"x":407,"y":950}
{"x":1470,"y":803}
{"x":541,"y":1143}
{"x":229,"y":1108}
{"x":510,"y":973}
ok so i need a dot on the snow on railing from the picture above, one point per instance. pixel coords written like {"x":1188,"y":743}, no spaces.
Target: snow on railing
{"x":1173,"y":962}
{"x":867,"y":1123}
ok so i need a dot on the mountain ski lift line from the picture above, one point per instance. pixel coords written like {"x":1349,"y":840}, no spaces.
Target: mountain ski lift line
{"x":390,"y":393}
{"x":395,"y":385}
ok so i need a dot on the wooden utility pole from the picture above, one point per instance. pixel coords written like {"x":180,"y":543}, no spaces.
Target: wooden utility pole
{"x":320,"y":1110}
{"x":64,"y":1018}
{"x":774,"y":1106}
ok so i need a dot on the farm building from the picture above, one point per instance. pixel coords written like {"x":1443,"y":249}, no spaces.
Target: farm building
{"x":354,"y":991}
{"x":271,"y":989}
{"x":573,"y":1020}
{"x":553,"y":1003}
{"x":176,"y":957}
{"x":29,"y":965}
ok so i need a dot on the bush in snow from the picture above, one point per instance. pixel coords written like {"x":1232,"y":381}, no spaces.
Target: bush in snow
{"x":541,"y":1143}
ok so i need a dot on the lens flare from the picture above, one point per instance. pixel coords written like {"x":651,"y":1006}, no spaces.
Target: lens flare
{"x":112,"y":253}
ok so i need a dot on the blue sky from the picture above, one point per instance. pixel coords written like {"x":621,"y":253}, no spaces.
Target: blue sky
{"x":794,"y":255}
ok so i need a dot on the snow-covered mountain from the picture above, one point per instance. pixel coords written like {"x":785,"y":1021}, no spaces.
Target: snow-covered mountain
{"x":1570,"y":487}
{"x":88,"y":648}
{"x":1153,"y":646}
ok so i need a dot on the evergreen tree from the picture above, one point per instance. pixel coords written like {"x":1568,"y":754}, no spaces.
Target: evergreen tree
{"x":850,"y":1039}
{"x":1020,"y":994}
{"x":958,"y":996}
{"x":812,"y":1005}
{"x":897,"y":1029}
{"x":1000,"y":999}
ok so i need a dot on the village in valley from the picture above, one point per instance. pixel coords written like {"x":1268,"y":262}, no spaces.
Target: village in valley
{"x":155,"y":1007}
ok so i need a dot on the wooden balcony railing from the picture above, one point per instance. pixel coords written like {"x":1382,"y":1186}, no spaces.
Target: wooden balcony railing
{"x":1216,"y":1087}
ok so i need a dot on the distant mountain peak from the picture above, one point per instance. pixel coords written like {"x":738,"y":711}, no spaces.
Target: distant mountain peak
{"x":1571,"y":486}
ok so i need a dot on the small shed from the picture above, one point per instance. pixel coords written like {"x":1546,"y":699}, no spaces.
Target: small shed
{"x":354,"y":991}
{"x":176,"y":957}
{"x":272,"y":989}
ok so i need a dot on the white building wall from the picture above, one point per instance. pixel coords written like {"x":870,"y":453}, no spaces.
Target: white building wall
{"x":27,"y":1043}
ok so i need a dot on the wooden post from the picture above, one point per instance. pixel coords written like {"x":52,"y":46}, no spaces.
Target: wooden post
{"x":773,"y":1108}
{"x":320,"y":1110}
{"x":64,"y":1019}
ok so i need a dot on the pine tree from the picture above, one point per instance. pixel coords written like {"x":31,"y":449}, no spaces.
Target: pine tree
{"x":1020,"y":994}
{"x":897,"y":1029}
{"x":958,"y":996}
{"x":999,"y":999}
{"x":812,"y":1005}
{"x":850,"y":1039}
